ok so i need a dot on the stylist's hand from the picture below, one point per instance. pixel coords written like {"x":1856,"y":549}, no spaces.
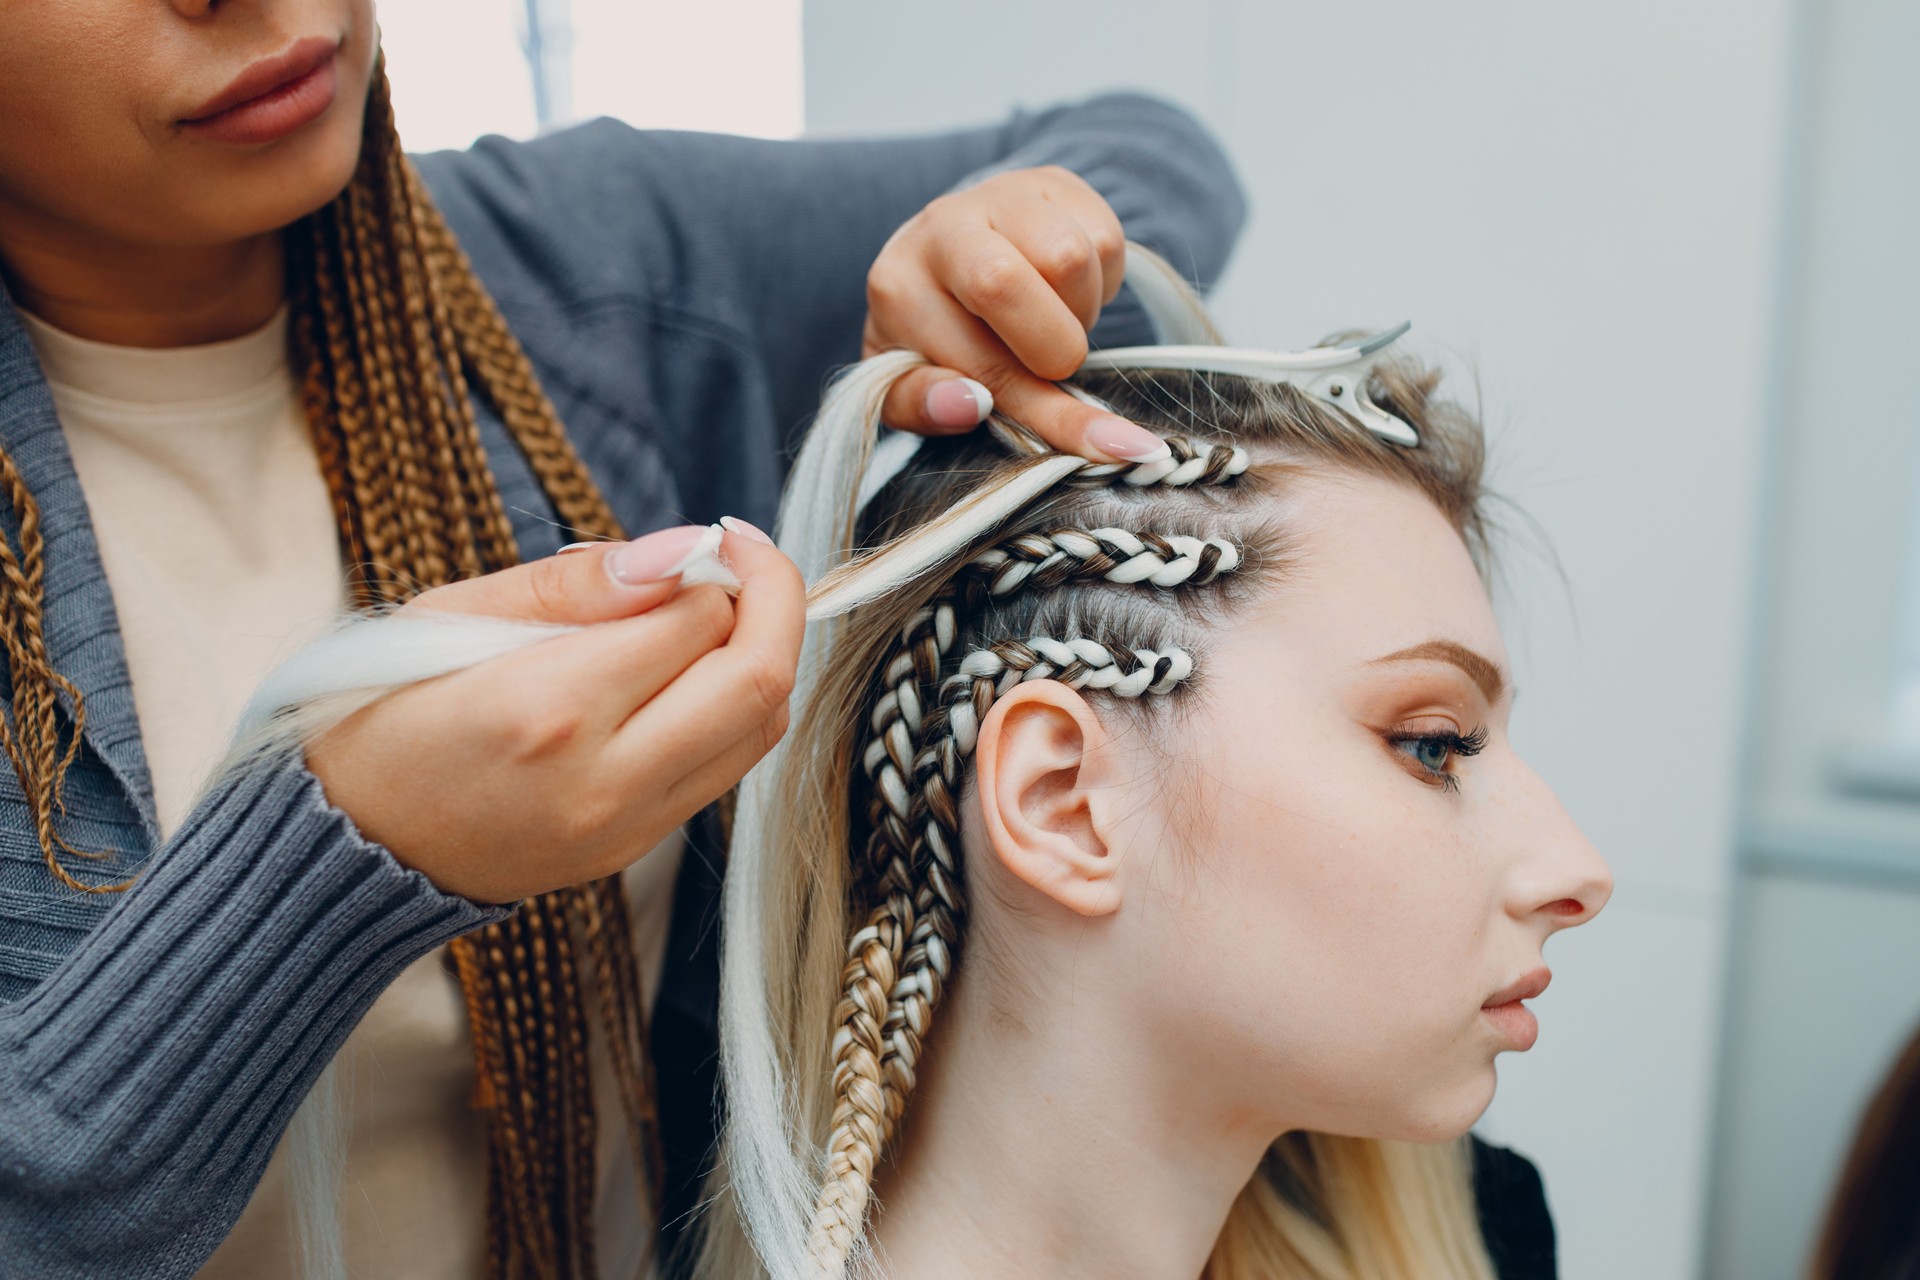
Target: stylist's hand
{"x":999,"y":285}
{"x":567,"y":761}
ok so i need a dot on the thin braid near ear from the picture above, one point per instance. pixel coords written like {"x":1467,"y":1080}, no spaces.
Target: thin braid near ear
{"x":921,"y":730}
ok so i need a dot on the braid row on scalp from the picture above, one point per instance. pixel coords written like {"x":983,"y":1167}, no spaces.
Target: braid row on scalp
{"x":922,"y":728}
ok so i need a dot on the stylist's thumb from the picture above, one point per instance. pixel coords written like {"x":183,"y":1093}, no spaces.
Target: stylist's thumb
{"x":588,"y":583}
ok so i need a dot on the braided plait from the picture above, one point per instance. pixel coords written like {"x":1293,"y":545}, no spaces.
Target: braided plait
{"x":920,"y":731}
{"x":395,"y":334}
{"x":1189,"y":463}
{"x":391,"y":333}
{"x":30,"y":727}
{"x":1044,"y":560}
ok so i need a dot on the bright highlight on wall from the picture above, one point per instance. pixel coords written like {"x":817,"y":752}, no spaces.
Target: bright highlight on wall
{"x":460,"y":71}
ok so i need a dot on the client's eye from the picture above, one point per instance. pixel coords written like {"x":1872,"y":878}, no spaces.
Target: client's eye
{"x":1435,"y":752}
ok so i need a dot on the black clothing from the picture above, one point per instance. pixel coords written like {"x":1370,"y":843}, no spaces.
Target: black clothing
{"x":1514,"y":1218}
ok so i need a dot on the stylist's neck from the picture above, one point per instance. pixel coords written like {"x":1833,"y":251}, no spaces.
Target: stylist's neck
{"x":140,"y":295}
{"x":1053,"y":1144}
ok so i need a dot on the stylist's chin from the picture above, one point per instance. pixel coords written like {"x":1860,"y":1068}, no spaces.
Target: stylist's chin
{"x":121,"y":121}
{"x":274,"y":126}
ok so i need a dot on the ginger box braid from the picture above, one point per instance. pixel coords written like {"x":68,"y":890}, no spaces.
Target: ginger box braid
{"x":391,"y":332}
{"x":392,"y":327}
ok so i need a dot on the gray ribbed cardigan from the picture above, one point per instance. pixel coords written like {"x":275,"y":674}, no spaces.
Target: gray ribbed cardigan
{"x":683,"y":297}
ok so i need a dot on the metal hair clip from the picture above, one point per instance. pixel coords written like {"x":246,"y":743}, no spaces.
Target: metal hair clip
{"x":1335,"y":376}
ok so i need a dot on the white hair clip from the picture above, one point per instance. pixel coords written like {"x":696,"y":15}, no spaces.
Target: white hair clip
{"x":1335,"y":376}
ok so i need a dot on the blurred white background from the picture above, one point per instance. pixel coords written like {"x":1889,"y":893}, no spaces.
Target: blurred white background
{"x":1670,"y":247}
{"x":470,"y":66}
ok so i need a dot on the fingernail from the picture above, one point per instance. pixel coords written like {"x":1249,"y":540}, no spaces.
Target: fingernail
{"x":1118,"y":438}
{"x":958,"y":402}
{"x":656,"y":556}
{"x":578,"y":546}
{"x":733,"y":524}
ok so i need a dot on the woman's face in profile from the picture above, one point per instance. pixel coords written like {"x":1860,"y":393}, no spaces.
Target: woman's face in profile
{"x":1360,"y":861}
{"x":119,"y":117}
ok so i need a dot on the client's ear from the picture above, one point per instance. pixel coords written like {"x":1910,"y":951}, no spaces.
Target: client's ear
{"x":1039,"y":771}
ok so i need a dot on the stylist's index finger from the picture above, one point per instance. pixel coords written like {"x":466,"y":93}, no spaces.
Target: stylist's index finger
{"x":598,"y":583}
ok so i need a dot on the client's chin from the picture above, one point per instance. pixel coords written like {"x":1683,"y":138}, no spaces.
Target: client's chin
{"x":1440,"y":1114}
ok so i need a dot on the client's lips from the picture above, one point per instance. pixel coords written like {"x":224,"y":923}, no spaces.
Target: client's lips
{"x":1513,"y":1020}
{"x":272,"y":97}
{"x":1525,"y":988}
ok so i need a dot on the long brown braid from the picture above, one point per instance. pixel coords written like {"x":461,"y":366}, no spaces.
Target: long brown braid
{"x":30,"y":725}
{"x":392,"y":331}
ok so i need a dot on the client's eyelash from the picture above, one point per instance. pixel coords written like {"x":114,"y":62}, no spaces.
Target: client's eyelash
{"x":1449,"y":745}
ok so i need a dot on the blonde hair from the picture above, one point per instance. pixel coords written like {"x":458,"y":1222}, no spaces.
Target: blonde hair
{"x":846,"y":903}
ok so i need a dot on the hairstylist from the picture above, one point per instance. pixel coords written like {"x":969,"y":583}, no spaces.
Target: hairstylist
{"x":253,"y":369}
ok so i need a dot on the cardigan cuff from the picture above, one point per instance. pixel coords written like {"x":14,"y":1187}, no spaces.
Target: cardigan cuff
{"x":196,"y":1017}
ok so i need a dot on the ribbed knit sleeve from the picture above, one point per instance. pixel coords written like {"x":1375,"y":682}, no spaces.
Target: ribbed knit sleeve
{"x":145,"y":1084}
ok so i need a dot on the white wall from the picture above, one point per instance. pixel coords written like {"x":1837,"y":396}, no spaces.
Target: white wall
{"x":728,"y":68}
{"x":1826,"y":998}
{"x":1849,"y":443}
{"x":1827,"y":970}
{"x":1577,"y":203}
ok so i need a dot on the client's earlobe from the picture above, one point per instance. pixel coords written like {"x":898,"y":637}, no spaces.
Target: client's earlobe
{"x":1038,"y":767}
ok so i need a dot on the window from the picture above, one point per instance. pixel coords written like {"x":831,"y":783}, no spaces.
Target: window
{"x":464,"y":68}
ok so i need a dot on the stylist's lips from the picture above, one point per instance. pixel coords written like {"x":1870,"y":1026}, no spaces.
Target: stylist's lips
{"x":1512,"y":1019}
{"x":271,"y":98}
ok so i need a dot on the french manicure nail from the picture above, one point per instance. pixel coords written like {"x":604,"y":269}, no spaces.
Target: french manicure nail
{"x":656,"y":556}
{"x":734,"y":524}
{"x":958,"y":402}
{"x":1118,"y":438}
{"x":578,"y":546}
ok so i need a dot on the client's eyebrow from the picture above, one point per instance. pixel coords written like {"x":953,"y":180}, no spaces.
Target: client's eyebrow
{"x":1484,"y":673}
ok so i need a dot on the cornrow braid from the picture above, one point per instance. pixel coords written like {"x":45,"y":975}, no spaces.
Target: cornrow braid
{"x":1045,"y":560}
{"x":921,"y":729}
{"x":1189,"y":463}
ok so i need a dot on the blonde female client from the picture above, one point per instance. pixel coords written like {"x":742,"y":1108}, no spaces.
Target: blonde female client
{"x":1148,"y":881}
{"x":255,"y":366}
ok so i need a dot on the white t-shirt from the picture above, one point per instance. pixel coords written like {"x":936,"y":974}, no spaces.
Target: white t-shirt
{"x":218,"y":540}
